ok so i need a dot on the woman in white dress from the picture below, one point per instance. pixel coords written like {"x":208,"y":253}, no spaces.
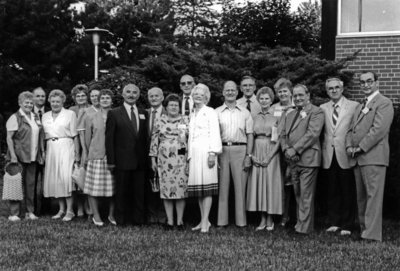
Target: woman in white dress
{"x":204,"y":145}
{"x":62,"y":149}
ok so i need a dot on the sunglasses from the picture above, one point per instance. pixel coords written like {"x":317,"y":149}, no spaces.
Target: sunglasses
{"x":188,"y":83}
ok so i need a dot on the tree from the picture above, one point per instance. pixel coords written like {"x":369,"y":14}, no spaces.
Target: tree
{"x":308,"y":18}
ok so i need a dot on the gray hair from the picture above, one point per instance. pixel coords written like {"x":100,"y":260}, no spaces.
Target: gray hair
{"x":334,"y":79}
{"x":265,"y":90}
{"x":205,"y":89}
{"x":26,"y":95}
{"x":57,"y":93}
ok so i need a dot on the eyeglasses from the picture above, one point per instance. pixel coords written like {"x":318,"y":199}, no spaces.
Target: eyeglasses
{"x":369,"y":82}
{"x":188,"y":83}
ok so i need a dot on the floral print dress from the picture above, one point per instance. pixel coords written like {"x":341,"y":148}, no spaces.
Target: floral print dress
{"x":169,"y":145}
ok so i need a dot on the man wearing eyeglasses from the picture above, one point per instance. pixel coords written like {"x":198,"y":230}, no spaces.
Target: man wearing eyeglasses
{"x":341,"y":190}
{"x":186,"y":84}
{"x":368,"y":142}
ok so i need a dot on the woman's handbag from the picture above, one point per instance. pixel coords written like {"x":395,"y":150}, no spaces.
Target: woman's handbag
{"x":12,"y":186}
{"x":78,"y":176}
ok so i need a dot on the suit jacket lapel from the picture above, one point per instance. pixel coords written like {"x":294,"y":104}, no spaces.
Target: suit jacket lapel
{"x":307,"y":110}
{"x":342,"y":112}
{"x":125,"y":117}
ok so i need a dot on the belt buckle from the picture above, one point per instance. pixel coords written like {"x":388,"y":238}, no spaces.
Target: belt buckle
{"x":229,"y":143}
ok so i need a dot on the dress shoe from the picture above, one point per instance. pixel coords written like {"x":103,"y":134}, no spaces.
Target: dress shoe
{"x":112,"y":221}
{"x":99,"y":224}
{"x":14,"y":218}
{"x":31,"y":216}
{"x":345,"y":232}
{"x":261,"y":228}
{"x":181,"y":227}
{"x":168,"y":227}
{"x":206,"y":230}
{"x":58,"y":215}
{"x":68,"y":217}
{"x":270,"y":228}
{"x":332,"y":229}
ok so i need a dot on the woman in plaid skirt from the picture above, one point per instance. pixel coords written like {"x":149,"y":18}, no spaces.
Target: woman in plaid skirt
{"x":99,"y":181}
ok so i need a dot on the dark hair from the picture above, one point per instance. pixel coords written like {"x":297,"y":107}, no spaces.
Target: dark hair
{"x":248,"y":77}
{"x":373,"y":73}
{"x":172,"y":98}
{"x":106,"y":92}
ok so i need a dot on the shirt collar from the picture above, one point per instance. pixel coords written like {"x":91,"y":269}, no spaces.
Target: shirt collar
{"x":370,"y":97}
{"x":128,"y":106}
{"x":226,"y":107}
{"x":252,"y":98}
{"x":339,"y":103}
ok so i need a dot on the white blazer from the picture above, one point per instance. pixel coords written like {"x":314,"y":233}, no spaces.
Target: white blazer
{"x":335,"y":137}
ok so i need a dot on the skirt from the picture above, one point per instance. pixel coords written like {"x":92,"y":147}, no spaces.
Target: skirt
{"x":99,"y":181}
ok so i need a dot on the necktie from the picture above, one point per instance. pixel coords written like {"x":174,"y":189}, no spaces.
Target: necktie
{"x":335,"y":114}
{"x":364,"y":103}
{"x":40,"y":115}
{"x":248,"y":105}
{"x":187,"y":106}
{"x":133,"y":119}
{"x":153,"y":118}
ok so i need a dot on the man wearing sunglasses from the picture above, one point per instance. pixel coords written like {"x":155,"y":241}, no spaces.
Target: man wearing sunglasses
{"x":368,"y":142}
{"x":186,"y":84}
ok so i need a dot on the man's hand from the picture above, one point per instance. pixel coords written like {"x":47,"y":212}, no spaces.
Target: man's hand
{"x":350,"y":151}
{"x":246,"y":163}
{"x":290,"y":153}
{"x":211,"y":160}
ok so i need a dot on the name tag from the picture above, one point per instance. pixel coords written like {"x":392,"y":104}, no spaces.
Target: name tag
{"x":142,"y":117}
{"x":277,"y":113}
{"x":365,"y":110}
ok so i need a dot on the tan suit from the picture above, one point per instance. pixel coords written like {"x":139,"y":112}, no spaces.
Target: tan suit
{"x":303,"y":135}
{"x":340,"y":183}
{"x":370,"y":131}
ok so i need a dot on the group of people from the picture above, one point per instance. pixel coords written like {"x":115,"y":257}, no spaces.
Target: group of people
{"x":147,"y":162}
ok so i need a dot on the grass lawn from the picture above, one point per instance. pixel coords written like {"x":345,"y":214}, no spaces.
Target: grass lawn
{"x":79,"y":245}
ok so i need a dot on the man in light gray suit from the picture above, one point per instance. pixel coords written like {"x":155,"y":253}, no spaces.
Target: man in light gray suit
{"x":301,"y":146}
{"x":368,"y":141}
{"x":341,"y":191}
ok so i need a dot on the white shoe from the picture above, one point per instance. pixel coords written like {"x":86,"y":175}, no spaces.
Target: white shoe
{"x":31,"y":216}
{"x":14,"y":218}
{"x":332,"y":229}
{"x":68,"y":217}
{"x":345,"y":232}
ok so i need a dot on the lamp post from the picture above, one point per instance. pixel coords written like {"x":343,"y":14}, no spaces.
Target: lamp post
{"x":96,"y":32}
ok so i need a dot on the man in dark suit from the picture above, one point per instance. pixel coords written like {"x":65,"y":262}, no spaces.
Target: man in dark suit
{"x":302,"y":149}
{"x":155,"y":209}
{"x":368,"y":141}
{"x":186,"y":84}
{"x":127,"y":150}
{"x":42,"y":204}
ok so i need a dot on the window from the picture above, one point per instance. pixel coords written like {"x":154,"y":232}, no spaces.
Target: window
{"x":369,"y":16}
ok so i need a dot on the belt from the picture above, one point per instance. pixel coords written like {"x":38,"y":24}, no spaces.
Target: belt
{"x":261,"y":135}
{"x":233,"y":143}
{"x":57,"y":138}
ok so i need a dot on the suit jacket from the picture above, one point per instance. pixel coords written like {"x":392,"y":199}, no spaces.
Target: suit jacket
{"x":163,"y":112}
{"x":125,"y":149}
{"x":335,"y":137}
{"x":303,"y":136}
{"x":370,"y":131}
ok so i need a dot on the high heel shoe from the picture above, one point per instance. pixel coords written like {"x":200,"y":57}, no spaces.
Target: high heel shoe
{"x":112,"y":221}
{"x":58,"y":215}
{"x":270,"y":228}
{"x":99,"y":224}
{"x":206,"y":230}
{"x":197,"y":228}
{"x":261,"y":228}
{"x":68,"y":217}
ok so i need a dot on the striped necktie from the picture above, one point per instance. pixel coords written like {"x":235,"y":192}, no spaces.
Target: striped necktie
{"x":248,"y":105}
{"x":335,"y":114}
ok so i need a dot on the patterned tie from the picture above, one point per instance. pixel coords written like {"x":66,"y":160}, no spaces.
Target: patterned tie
{"x":153,"y":118}
{"x":187,"y":106}
{"x":335,"y":114}
{"x":248,"y":105}
{"x":133,"y":119}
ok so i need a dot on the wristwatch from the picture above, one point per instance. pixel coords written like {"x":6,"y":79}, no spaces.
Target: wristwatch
{"x":249,"y":155}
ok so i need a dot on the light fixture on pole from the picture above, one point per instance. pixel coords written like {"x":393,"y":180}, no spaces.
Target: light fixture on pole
{"x":96,"y":32}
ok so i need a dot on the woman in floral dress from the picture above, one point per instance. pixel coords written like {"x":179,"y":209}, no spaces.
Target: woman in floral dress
{"x":168,"y":152}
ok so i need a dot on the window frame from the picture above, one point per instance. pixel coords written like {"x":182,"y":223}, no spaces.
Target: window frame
{"x":359,"y":34}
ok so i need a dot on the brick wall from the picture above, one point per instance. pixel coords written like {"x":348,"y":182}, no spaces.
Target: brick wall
{"x":379,"y":54}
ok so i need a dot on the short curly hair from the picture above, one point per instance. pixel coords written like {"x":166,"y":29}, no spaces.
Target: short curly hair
{"x":173,"y":98}
{"x":79,"y":88}
{"x":204,"y":88}
{"x":26,"y":95}
{"x":57,"y":93}
{"x":265,"y":90}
